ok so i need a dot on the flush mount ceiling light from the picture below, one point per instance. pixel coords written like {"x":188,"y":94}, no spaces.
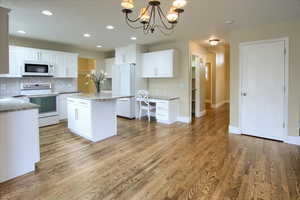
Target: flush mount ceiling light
{"x":87,"y":35}
{"x":21,"y":32}
{"x":153,"y":17}
{"x":133,"y":38}
{"x":214,"y":42}
{"x":110,"y":27}
{"x":99,"y":46}
{"x":228,"y":21}
{"x":47,"y":12}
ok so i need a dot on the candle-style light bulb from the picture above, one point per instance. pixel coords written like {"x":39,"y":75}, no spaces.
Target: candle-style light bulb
{"x":127,"y":4}
{"x":172,"y":15}
{"x":144,"y":15}
{"x":179,"y":3}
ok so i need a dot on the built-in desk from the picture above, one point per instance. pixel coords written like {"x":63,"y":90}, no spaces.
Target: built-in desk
{"x":166,"y":109}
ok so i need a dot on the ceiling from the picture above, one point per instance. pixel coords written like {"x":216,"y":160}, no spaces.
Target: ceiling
{"x":201,"y":20}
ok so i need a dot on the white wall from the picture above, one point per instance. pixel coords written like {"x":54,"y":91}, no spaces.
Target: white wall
{"x":289,"y":29}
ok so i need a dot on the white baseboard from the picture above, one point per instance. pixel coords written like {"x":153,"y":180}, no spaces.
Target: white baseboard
{"x":202,"y":113}
{"x":292,"y":140}
{"x":184,"y":119}
{"x":234,"y":130}
{"x":219,"y":104}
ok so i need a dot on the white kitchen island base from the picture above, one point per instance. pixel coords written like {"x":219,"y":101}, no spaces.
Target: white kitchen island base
{"x":93,"y":117}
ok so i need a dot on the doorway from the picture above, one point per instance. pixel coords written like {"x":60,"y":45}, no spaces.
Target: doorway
{"x":85,"y":66}
{"x":195,"y":89}
{"x":264,"y":66}
{"x":208,"y":85}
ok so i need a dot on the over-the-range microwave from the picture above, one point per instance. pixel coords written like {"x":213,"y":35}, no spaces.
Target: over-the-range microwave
{"x":33,"y":68}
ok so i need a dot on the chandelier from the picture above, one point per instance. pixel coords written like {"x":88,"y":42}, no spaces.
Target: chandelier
{"x":153,"y":17}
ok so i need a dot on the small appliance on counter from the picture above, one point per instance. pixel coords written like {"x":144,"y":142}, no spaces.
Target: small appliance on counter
{"x":42,"y":95}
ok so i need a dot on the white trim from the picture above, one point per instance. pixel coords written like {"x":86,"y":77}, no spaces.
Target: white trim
{"x":184,"y":119}
{"x":292,"y":140}
{"x":234,"y":130}
{"x":202,"y":113}
{"x":286,"y":80}
{"x":219,"y":104}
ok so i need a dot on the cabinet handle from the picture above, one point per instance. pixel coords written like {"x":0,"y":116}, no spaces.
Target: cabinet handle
{"x":76,"y":114}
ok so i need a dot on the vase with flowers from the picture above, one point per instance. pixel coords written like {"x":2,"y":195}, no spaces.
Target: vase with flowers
{"x":97,"y":78}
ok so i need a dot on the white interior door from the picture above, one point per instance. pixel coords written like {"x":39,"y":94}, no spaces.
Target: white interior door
{"x":262,"y":92}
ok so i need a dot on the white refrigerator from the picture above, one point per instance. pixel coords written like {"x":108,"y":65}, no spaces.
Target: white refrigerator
{"x":123,"y":83}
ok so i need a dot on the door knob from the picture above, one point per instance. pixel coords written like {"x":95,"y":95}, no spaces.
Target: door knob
{"x":244,"y":94}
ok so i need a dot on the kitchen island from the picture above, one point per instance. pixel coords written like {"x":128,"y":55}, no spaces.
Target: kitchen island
{"x":19,"y":137}
{"x":93,"y":116}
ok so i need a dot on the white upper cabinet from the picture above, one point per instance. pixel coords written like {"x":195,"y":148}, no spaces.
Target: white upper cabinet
{"x":65,"y":64}
{"x":126,"y":55}
{"x":159,"y":64}
{"x":109,"y":63}
{"x":4,"y":57}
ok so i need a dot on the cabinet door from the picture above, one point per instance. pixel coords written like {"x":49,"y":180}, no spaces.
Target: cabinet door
{"x":72,"y":66}
{"x":130,"y":54}
{"x":84,"y":121}
{"x":59,"y":67}
{"x":148,"y":65}
{"x":120,"y":56}
{"x":48,"y":57}
{"x":164,"y":60}
{"x":108,"y":66}
{"x":62,"y":107}
{"x":16,"y":61}
{"x":72,"y":115}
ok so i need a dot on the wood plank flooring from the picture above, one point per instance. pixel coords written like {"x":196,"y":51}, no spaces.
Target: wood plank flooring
{"x":161,"y":162}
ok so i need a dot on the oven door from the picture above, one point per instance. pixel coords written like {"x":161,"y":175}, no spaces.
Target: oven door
{"x":47,"y":105}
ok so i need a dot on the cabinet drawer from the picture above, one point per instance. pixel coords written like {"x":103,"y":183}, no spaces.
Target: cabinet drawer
{"x":162,"y":116}
{"x":84,"y":103}
{"x":162,"y":105}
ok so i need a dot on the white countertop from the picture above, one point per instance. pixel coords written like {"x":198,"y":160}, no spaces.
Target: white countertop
{"x":99,"y":97}
{"x":12,"y":104}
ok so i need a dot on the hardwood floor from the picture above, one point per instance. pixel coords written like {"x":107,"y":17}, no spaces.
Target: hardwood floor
{"x":154,"y":161}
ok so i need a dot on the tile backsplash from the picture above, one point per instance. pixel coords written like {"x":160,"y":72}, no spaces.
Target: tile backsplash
{"x":11,"y":86}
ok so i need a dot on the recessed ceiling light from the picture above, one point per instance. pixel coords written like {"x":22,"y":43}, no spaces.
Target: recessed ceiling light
{"x":133,"y":38}
{"x":47,"y":12}
{"x":214,"y":42}
{"x":86,"y":35}
{"x":99,"y":46}
{"x":228,"y":21}
{"x":110,"y":27}
{"x":21,"y":32}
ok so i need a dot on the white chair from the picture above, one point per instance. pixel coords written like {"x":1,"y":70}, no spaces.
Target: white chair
{"x":142,"y":97}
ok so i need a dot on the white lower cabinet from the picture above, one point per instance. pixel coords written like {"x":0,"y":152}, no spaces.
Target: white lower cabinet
{"x":93,"y":120}
{"x":79,"y":117}
{"x":62,"y":107}
{"x":167,"y":111}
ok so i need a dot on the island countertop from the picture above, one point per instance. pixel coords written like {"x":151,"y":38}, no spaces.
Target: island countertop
{"x":12,"y":104}
{"x":98,"y":97}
